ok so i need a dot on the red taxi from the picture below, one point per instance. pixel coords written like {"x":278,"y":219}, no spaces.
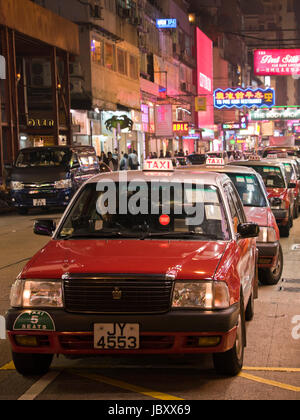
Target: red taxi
{"x":144,"y":262}
{"x":292,"y":175}
{"x":280,"y":192}
{"x":250,"y":186}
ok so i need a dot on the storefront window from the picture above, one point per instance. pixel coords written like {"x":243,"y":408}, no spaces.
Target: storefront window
{"x":122,"y":63}
{"x":109,"y":56}
{"x":133,"y":67}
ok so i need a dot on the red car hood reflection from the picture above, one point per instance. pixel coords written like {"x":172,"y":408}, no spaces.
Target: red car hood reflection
{"x":276,"y":192}
{"x":258,"y":215}
{"x":184,"y":259}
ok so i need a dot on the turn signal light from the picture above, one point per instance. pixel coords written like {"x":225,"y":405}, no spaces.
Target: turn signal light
{"x":209,"y":341}
{"x":26,"y":340}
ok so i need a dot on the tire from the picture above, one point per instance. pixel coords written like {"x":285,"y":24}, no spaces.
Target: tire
{"x":22,"y":211}
{"x":230,"y":362}
{"x":249,"y":313}
{"x":269,"y":277}
{"x":32,"y":364}
{"x":296,"y":210}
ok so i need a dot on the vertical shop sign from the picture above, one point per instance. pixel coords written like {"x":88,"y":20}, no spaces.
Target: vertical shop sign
{"x":163,"y":121}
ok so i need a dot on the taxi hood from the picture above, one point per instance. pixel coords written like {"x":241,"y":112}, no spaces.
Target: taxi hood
{"x":183,"y":259}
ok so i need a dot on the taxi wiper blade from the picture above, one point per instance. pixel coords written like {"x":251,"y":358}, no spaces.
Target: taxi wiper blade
{"x":88,"y":235}
{"x":179,"y":235}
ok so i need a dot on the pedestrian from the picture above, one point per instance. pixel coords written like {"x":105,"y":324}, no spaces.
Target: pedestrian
{"x":112,"y":163}
{"x":161,"y":155}
{"x":124,"y":163}
{"x":133,"y":160}
{"x":180,"y":153}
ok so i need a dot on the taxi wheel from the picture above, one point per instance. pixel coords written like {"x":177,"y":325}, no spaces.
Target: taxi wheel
{"x":268,"y":276}
{"x":32,"y":364}
{"x":230,"y":362}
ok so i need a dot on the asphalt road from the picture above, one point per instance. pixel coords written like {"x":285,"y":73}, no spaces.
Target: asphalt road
{"x":272,"y":359}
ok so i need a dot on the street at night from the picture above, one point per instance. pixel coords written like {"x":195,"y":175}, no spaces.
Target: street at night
{"x":149,"y":203}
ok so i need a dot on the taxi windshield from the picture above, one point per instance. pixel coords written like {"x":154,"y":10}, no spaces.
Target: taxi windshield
{"x":42,"y":157}
{"x":150,"y":210}
{"x":271,"y":175}
{"x":249,"y":189}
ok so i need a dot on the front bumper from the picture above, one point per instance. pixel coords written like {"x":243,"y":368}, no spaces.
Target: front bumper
{"x":267,"y":254}
{"x":54,"y":197}
{"x":175,"y":332}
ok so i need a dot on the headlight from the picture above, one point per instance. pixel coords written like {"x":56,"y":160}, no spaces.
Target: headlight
{"x":16,"y":185}
{"x":277,"y":204}
{"x":30,"y":293}
{"x":63,"y":184}
{"x":267,"y":234}
{"x":201,"y":295}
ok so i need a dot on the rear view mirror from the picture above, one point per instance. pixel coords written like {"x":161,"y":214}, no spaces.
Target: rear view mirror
{"x":44,"y":227}
{"x":248,"y":230}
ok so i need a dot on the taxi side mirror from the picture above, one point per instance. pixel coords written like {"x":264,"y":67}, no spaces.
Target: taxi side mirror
{"x":44,"y":227}
{"x":248,"y":230}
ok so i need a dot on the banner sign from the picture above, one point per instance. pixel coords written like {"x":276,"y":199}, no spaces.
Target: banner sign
{"x":238,"y":98}
{"x":284,"y":62}
{"x":275,"y":114}
{"x":163,"y":121}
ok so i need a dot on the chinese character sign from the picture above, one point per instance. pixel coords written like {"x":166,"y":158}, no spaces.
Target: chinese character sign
{"x":277,"y":62}
{"x":238,"y":98}
{"x":166,"y":23}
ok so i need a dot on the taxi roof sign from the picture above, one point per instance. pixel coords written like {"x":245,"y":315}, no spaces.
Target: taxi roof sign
{"x":158,"y":165}
{"x":215,"y":161}
{"x":254,"y":157}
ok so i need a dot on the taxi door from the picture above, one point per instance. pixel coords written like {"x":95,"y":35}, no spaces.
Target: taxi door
{"x":246,"y":246}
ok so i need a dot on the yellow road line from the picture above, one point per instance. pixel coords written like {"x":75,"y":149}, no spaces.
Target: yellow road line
{"x":124,"y":385}
{"x":271,"y":369}
{"x":269,"y":382}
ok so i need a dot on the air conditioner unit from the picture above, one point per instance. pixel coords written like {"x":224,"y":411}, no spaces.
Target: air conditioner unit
{"x":183,"y":86}
{"x":76,"y":86}
{"x":40,"y":71}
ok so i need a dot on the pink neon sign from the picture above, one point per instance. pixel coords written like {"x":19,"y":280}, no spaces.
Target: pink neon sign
{"x":277,"y":62}
{"x":204,"y":51}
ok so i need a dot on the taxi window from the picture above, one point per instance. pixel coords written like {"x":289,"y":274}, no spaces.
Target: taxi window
{"x":271,"y":175}
{"x":152,"y":210}
{"x":249,"y":189}
{"x":288,"y":171}
{"x":237,"y":212}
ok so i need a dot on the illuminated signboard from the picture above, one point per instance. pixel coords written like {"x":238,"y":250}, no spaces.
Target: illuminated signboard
{"x":238,"y":98}
{"x":275,"y":114}
{"x":179,"y":127}
{"x":284,"y":62}
{"x":166,"y":23}
{"x":40,"y":123}
{"x":204,"y":77}
{"x":231,"y":126}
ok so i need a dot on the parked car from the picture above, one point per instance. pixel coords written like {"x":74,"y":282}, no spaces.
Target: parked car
{"x":280,"y":193}
{"x":197,"y":159}
{"x":47,"y":177}
{"x":250,"y":187}
{"x":290,"y":150}
{"x":154,"y":281}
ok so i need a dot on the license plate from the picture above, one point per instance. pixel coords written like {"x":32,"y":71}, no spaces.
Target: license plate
{"x":39,"y":202}
{"x":117,"y":336}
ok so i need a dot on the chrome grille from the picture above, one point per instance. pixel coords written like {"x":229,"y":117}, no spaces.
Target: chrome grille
{"x":109,"y":294}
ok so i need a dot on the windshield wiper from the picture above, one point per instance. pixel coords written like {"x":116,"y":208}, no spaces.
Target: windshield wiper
{"x":108,"y":234}
{"x":179,"y":235}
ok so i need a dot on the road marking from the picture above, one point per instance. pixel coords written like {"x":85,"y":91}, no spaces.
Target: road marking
{"x":38,"y":387}
{"x":8,"y":366}
{"x":271,"y":369}
{"x":269,"y":382}
{"x":124,"y":385}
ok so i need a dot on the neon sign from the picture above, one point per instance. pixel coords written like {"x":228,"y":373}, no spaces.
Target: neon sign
{"x":180,"y":127}
{"x":238,"y":98}
{"x":275,"y":114}
{"x":166,"y":23}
